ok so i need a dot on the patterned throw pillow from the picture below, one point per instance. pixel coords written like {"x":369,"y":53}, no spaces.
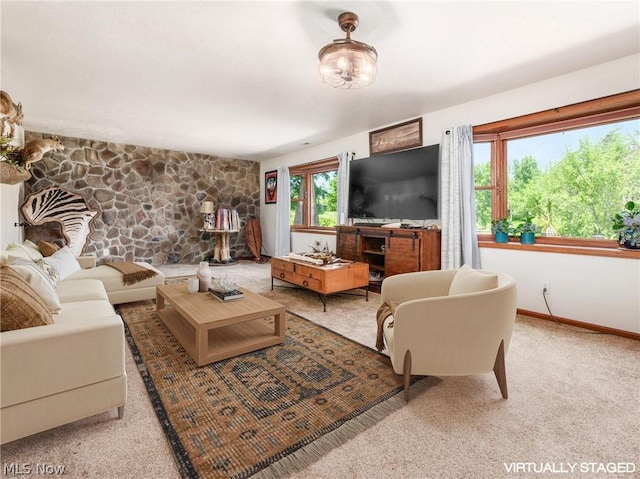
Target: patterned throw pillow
{"x":50,"y":271}
{"x":20,"y":305}
{"x":46,"y":248}
{"x":39,"y":281}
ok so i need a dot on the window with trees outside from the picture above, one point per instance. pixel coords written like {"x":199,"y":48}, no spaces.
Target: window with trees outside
{"x":314,"y":195}
{"x":569,"y":175}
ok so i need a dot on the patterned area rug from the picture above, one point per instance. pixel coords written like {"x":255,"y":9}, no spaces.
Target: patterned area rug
{"x":263,"y":414}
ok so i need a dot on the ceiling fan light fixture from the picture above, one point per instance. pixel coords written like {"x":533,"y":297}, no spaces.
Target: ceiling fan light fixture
{"x":347,"y":63}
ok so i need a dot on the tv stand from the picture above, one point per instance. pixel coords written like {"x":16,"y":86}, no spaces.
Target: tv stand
{"x":389,"y":251}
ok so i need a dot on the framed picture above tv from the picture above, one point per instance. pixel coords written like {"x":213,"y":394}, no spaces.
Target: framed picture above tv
{"x":395,"y":138}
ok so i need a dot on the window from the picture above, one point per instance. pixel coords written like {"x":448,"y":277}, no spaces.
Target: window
{"x":484,"y":185}
{"x":571,"y":168}
{"x":314,"y":195}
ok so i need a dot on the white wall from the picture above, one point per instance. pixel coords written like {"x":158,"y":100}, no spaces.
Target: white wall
{"x":592,"y":289}
{"x":9,"y":206}
{"x":11,"y":197}
{"x":602,"y":80}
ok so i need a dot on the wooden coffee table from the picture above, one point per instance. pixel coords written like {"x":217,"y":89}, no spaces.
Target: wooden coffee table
{"x":211,"y":330}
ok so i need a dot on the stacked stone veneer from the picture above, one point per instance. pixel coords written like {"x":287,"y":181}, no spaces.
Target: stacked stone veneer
{"x":149,"y":199}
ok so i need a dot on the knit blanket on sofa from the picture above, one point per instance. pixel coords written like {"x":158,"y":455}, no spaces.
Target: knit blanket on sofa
{"x":132,"y":273}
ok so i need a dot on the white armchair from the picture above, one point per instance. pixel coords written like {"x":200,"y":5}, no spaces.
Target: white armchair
{"x":449,"y":323}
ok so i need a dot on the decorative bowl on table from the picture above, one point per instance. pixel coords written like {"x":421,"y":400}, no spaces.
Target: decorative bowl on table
{"x":223,"y":284}
{"x":326,"y":258}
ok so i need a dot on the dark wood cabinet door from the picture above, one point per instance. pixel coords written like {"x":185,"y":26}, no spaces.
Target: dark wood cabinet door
{"x":348,"y":244}
{"x":402,"y":254}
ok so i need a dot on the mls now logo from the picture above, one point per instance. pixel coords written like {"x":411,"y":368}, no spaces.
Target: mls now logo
{"x":25,"y":469}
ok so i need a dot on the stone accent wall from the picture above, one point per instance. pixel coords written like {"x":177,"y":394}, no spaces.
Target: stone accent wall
{"x":150,"y":198}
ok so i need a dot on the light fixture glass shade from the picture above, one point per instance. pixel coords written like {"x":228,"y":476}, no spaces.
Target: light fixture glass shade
{"x":346,"y":63}
{"x":206,"y":207}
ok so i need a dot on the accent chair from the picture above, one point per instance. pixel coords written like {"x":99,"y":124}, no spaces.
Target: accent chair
{"x":449,"y":323}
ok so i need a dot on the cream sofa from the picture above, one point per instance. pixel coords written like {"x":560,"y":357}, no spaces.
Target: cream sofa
{"x":110,"y":278}
{"x":112,"y":281}
{"x":74,"y":368}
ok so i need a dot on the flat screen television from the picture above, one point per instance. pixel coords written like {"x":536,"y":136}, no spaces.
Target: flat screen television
{"x":401,"y":186}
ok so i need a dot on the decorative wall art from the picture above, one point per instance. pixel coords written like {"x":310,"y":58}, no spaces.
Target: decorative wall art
{"x":12,"y":171}
{"x":397,"y":137}
{"x":16,"y":158}
{"x":68,"y":209}
{"x":271,"y":186}
{"x":10,"y":115}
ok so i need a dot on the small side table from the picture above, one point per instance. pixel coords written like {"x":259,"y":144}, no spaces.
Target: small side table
{"x":221,"y":251}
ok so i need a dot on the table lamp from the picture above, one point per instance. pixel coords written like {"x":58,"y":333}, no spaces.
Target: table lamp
{"x":206,"y":208}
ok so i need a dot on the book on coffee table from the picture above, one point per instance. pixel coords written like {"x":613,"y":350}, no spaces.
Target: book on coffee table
{"x":227,"y":295}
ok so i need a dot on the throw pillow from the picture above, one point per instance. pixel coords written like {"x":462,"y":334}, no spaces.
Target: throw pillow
{"x":50,"y":271}
{"x":46,"y":248}
{"x":64,"y":262}
{"x":39,"y":281}
{"x":20,"y":305}
{"x":469,"y":280}
{"x":32,"y":250}
{"x":25,"y":250}
{"x":10,"y":255}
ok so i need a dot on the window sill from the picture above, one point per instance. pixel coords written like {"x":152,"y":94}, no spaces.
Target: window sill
{"x":612,"y":252}
{"x":320,"y":231}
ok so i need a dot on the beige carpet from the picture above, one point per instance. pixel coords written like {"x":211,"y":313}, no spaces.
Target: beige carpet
{"x":573,"y":398}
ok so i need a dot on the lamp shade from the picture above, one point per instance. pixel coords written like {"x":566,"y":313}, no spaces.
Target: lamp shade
{"x":206,"y":207}
{"x":347,"y":63}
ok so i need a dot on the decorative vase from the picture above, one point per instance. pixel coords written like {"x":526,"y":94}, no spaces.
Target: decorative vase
{"x":501,"y":237}
{"x":204,"y":276}
{"x":193,"y":286}
{"x":528,"y":238}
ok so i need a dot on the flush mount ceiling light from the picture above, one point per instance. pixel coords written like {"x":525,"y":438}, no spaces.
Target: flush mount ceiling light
{"x":347,"y":63}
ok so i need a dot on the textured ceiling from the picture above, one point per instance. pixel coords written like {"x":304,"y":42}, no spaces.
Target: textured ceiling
{"x":239,"y":79}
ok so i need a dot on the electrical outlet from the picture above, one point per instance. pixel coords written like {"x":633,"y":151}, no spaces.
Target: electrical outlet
{"x":105,"y":252}
{"x":546,"y":287}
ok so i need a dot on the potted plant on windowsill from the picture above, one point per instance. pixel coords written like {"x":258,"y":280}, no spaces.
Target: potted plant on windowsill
{"x":627,"y":224}
{"x":527,"y":231}
{"x":501,"y":229}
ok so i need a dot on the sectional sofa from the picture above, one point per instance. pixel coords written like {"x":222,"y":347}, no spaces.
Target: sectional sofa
{"x":72,"y":365}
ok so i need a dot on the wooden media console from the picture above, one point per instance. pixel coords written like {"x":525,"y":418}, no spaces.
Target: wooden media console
{"x":389,"y":251}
